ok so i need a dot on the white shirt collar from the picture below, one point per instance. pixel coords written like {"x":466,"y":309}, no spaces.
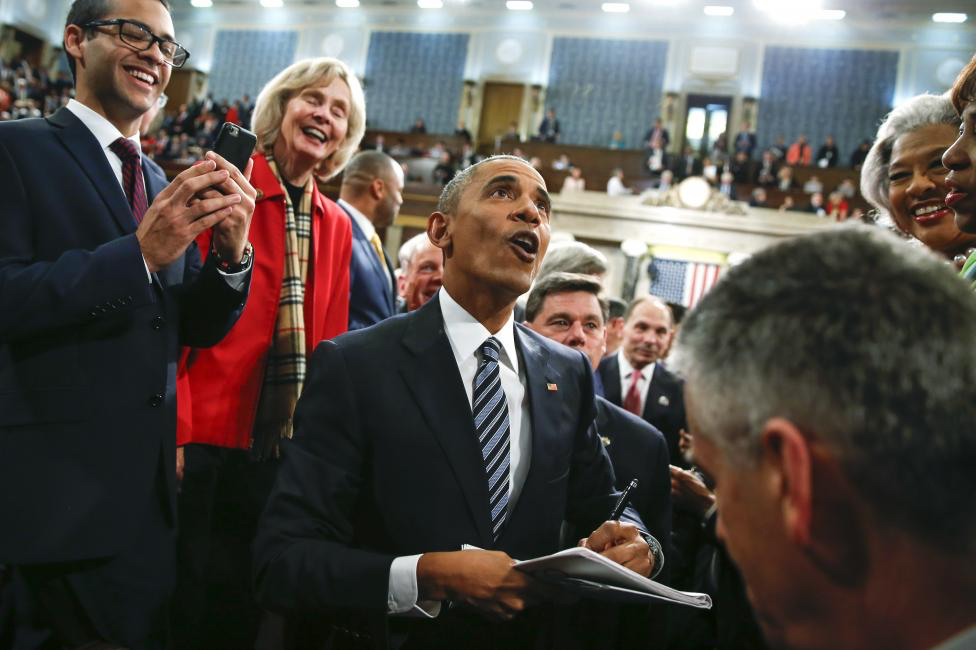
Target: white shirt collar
{"x":466,"y":333}
{"x":103,"y":130}
{"x":361,"y":220}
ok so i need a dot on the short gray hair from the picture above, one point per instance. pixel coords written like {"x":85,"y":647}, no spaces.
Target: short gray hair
{"x":410,"y":249}
{"x":451,"y":194}
{"x":573,"y":257}
{"x":559,"y":282}
{"x":879,"y":366}
{"x":919,"y":111}
{"x":269,"y":109}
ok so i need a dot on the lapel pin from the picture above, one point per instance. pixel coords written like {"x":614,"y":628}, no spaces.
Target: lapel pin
{"x":605,"y":440}
{"x":663,"y":400}
{"x":259,"y":196}
{"x":552,"y":388}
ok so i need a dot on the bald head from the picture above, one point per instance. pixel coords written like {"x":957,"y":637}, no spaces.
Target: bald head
{"x":372,"y":183}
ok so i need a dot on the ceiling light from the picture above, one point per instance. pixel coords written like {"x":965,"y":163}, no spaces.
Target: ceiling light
{"x":272,"y":4}
{"x":347,"y":4}
{"x":790,"y":11}
{"x":202,"y":4}
{"x":664,"y":3}
{"x":519,"y":5}
{"x":949,"y":18}
{"x":718,"y":10}
{"x":616,"y":7}
{"x":832,"y":14}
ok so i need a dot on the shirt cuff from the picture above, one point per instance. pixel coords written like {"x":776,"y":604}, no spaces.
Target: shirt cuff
{"x":148,"y":274}
{"x":237,"y":281}
{"x":402,"y":597}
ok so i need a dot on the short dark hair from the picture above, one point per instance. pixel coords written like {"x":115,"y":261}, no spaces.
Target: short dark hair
{"x":559,"y":282}
{"x":83,"y":12}
{"x":964,"y":90}
{"x":617,"y":308}
{"x":366,"y":166}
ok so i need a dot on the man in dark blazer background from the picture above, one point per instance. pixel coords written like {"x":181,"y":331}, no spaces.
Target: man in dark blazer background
{"x":654,"y":393}
{"x":100,"y":284}
{"x":371,"y":194}
{"x":386,"y":478}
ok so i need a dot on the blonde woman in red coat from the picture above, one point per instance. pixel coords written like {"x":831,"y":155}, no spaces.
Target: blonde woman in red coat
{"x":309,"y":120}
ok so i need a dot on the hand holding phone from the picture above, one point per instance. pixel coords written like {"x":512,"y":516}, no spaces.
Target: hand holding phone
{"x":235,"y":144}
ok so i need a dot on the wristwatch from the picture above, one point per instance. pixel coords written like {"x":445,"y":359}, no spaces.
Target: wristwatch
{"x":656,"y":551}
{"x":231,"y":267}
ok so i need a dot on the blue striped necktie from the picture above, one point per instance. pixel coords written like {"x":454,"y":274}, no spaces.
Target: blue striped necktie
{"x":491,"y":424}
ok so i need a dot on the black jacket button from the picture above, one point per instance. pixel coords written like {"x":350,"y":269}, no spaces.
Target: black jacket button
{"x":156,"y":400}
{"x":158,"y":322}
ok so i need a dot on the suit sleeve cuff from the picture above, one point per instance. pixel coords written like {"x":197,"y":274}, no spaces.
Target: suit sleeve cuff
{"x":402,"y":596}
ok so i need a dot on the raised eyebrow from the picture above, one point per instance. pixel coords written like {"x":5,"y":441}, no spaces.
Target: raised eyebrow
{"x":544,"y":195}
{"x":500,"y":180}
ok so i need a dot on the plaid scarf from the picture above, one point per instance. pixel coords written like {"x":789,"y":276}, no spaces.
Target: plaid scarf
{"x":285,"y":372}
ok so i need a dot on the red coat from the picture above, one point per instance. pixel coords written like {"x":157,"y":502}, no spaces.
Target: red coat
{"x":218,"y":387}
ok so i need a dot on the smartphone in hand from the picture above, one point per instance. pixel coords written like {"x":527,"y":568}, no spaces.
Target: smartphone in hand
{"x":235,"y":144}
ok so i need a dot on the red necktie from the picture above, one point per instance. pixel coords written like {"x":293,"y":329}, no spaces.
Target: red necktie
{"x":632,"y":402}
{"x":132,"y":180}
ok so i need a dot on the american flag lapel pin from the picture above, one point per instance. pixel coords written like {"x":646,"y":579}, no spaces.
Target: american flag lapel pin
{"x":552,"y":388}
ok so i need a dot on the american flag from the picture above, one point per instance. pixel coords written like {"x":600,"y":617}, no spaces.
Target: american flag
{"x":682,"y":282}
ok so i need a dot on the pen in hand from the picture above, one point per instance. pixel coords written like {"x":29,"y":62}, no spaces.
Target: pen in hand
{"x":622,"y":501}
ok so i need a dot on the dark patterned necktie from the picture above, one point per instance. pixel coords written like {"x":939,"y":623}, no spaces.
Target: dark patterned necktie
{"x":492,"y":426}
{"x":132,"y":180}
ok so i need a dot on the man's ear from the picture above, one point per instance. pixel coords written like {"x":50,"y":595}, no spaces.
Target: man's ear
{"x":377,"y":189}
{"x":439,"y":232}
{"x":74,"y":43}
{"x":786,"y":455}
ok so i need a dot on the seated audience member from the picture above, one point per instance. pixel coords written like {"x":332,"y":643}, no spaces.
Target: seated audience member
{"x":400,"y":149}
{"x":787,"y":204}
{"x":519,"y":153}
{"x":549,"y":128}
{"x":419,"y":126}
{"x":535,"y":162}
{"x":635,"y":379}
{"x":444,"y":170}
{"x":758,"y":198}
{"x":784,"y":178}
{"x":720,"y":149}
{"x":745,"y":141}
{"x":574,"y":257}
{"x":421,"y":268}
{"x":741,"y":167}
{"x":561,"y":163}
{"x":837,"y":206}
{"x":847,"y":188}
{"x":468,"y":156}
{"x":567,"y":308}
{"x":799,"y":153}
{"x":816,"y":205}
{"x":379,"y":143}
{"x":834,"y":552}
{"x":859,"y":154}
{"x":615,"y":186}
{"x":710,"y":171}
{"x":351,"y":522}
{"x":437,"y":150}
{"x":615,"y":325}
{"x":574,"y":182}
{"x":828,"y":154}
{"x":727,"y":186}
{"x":512,"y":133}
{"x":666,"y":182}
{"x":462,"y":132}
{"x":766,"y":173}
{"x":903,"y":177}
{"x":617,"y":140}
{"x":244,"y":390}
{"x":371,"y":195}
{"x":960,"y":158}
{"x":689,"y":164}
{"x":813,"y":185}
{"x":779,"y":149}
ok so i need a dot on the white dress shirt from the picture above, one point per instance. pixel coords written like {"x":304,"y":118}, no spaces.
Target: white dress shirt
{"x":368,"y":231}
{"x":466,"y":334}
{"x":626,"y":370}
{"x":106,"y":133}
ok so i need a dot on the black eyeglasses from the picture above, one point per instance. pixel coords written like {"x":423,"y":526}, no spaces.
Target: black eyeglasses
{"x":140,"y":38}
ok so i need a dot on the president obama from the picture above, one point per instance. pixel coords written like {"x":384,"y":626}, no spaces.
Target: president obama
{"x":447,"y":426}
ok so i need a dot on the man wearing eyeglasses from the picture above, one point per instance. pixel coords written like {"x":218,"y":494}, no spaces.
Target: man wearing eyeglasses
{"x":100,"y":283}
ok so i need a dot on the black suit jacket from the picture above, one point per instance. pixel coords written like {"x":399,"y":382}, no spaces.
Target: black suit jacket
{"x":371,"y":282}
{"x":665,"y":404}
{"x":385,"y":463}
{"x":88,"y":347}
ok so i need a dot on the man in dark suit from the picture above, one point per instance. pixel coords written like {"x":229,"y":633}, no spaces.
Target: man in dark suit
{"x":633,"y":378}
{"x":371,"y":194}
{"x":447,"y":426}
{"x":549,"y":128}
{"x":101,"y":284}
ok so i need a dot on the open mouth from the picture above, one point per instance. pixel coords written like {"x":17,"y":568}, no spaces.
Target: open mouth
{"x":525,"y":244}
{"x":141,"y":75}
{"x":930,"y":212}
{"x":315,"y":134}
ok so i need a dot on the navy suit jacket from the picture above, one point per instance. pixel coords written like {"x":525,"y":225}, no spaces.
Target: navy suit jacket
{"x":88,"y":347}
{"x":371,"y":298}
{"x":386,"y":464}
{"x":664,"y":407}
